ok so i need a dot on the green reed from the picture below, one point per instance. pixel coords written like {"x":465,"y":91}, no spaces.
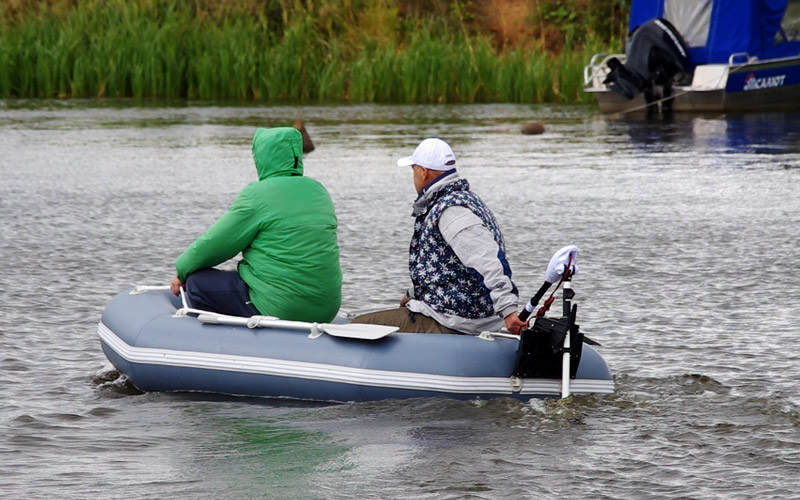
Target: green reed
{"x":175,"y":49}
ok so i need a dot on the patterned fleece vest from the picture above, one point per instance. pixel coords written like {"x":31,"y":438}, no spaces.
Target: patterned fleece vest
{"x":440,"y":279}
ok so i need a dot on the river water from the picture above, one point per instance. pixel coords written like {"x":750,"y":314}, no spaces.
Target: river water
{"x":689,"y":277}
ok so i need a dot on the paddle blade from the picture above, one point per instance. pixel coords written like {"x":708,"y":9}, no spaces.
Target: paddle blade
{"x":362,"y":331}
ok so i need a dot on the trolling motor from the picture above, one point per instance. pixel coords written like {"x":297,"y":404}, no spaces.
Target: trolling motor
{"x":655,"y":54}
{"x":552,"y":347}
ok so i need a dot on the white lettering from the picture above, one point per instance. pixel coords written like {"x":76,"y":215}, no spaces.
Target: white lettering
{"x":767,"y":82}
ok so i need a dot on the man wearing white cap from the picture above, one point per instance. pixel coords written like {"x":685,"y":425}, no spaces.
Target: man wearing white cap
{"x":461,"y":280}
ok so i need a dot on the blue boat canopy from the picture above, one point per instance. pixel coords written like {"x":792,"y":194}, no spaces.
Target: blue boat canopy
{"x":715,"y":29}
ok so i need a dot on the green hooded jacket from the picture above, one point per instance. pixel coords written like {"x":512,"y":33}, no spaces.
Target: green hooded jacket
{"x":285,"y":227}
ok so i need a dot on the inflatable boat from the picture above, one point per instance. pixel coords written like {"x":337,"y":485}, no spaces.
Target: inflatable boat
{"x":160,"y":343}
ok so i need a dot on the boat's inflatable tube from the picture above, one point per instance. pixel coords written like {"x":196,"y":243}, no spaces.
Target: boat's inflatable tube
{"x":160,"y":352}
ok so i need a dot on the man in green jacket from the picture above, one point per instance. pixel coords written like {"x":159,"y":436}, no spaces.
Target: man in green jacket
{"x":285,"y":226}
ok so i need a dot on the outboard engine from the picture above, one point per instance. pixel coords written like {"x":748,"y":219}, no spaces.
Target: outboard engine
{"x":541,"y":347}
{"x":655,"y":55}
{"x":553,"y":347}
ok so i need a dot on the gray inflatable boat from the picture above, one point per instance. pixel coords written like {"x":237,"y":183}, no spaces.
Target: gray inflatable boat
{"x":160,"y":345}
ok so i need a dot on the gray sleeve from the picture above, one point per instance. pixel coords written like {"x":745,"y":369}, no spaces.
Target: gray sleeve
{"x":476,"y":248}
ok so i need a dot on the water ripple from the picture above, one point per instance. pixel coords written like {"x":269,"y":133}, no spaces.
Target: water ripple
{"x":687,"y":230}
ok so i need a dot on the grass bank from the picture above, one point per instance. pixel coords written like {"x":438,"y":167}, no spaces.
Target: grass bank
{"x":385,"y":51}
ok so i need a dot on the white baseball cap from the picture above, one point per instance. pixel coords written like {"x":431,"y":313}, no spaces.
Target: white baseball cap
{"x":433,"y":154}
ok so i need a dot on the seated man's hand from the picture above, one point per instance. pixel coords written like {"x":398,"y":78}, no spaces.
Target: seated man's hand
{"x":175,"y":285}
{"x":514,"y":324}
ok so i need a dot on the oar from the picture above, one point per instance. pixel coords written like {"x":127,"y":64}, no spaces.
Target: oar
{"x":361,"y":331}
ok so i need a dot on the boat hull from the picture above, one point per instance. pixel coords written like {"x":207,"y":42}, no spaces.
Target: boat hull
{"x":159,"y":352}
{"x":757,"y":86}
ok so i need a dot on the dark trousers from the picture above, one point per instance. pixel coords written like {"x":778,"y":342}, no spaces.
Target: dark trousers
{"x":218,"y":291}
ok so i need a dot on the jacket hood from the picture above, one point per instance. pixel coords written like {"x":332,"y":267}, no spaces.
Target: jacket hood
{"x":278,"y":152}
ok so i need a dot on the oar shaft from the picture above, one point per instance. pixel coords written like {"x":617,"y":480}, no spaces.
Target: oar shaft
{"x":253,"y":321}
{"x":362,"y":331}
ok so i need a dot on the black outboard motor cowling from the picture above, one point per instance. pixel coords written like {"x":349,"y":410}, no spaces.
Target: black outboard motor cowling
{"x":541,"y":348}
{"x":655,"y":55}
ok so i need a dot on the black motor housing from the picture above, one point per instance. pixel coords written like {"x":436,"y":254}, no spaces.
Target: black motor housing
{"x":541,"y":348}
{"x":655,"y":55}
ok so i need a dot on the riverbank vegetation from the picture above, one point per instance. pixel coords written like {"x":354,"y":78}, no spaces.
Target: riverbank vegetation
{"x":359,"y":51}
